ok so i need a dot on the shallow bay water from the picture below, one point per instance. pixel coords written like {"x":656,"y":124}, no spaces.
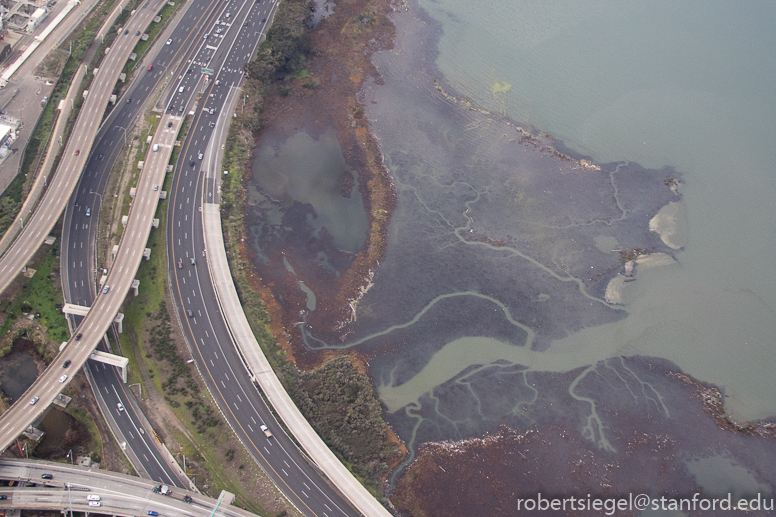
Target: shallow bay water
{"x":687,"y":85}
{"x":491,"y":306}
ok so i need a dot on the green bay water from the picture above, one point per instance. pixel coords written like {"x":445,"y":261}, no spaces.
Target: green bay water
{"x":681,"y":84}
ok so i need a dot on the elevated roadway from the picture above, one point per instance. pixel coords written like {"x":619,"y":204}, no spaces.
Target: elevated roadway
{"x":118,"y":494}
{"x":76,"y":152}
{"x":79,"y":233}
{"x":108,"y":302}
{"x":195,"y":192}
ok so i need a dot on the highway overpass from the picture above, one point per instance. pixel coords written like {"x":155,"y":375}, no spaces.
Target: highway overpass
{"x":118,"y":494}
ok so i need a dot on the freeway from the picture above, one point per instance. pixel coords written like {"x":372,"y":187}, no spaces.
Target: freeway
{"x":77,"y":149}
{"x":203,"y":325}
{"x":118,"y":494}
{"x":108,"y":302}
{"x":230,"y":41}
{"x":79,"y":233}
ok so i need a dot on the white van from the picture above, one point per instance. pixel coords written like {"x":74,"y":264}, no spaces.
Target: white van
{"x":180,"y":90}
{"x":155,"y":147}
{"x":92,"y":497}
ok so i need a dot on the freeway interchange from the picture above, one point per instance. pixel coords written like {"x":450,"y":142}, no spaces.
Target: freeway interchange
{"x":216,"y":35}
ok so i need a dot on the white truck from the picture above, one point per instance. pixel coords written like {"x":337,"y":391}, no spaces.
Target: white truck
{"x":267,"y":432}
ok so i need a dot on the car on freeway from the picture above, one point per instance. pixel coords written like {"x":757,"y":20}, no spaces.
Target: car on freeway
{"x":150,"y":67}
{"x":169,"y":42}
{"x":141,"y":430}
{"x":105,"y":289}
{"x":88,"y":211}
{"x":63,"y":378}
{"x":218,"y":82}
{"x":120,"y":406}
{"x":101,"y":157}
{"x":192,"y":261}
{"x":191,"y":163}
{"x":200,"y":155}
{"x":3,"y":497}
{"x":92,"y":497}
{"x":169,"y":124}
{"x":129,"y":101}
{"x":46,"y":476}
{"x":137,"y":33}
{"x":180,"y":264}
{"x":187,"y":499}
{"x":79,"y":336}
{"x":156,"y":187}
{"x":126,"y":31}
{"x":191,"y":314}
{"x":34,"y":400}
{"x":77,"y":152}
{"x":77,"y":204}
{"x":212,"y":124}
{"x":153,"y":513}
{"x":263,"y":20}
{"x":66,"y":363}
{"x":266,"y":431}
{"x":95,"y":503}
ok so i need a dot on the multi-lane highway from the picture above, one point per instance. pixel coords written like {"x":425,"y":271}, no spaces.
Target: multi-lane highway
{"x":230,"y":41}
{"x":194,"y":297}
{"x":77,"y":149}
{"x":80,"y":231}
{"x":108,"y":302}
{"x":75,"y":488}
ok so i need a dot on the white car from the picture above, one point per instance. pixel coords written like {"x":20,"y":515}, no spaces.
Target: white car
{"x":95,"y":503}
{"x":120,"y":406}
{"x":93,"y":497}
{"x":63,"y":378}
{"x":169,"y":42}
{"x":34,"y":400}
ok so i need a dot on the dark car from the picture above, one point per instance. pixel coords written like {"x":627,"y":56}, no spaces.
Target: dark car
{"x":46,"y":476}
{"x":137,"y":33}
{"x":191,"y":163}
{"x":153,"y":513}
{"x":129,"y":101}
{"x":126,"y":31}
{"x":79,"y":336}
{"x":4,"y":497}
{"x":169,"y":124}
{"x":263,"y":20}
{"x":191,"y":314}
{"x":101,"y":157}
{"x":66,"y":363}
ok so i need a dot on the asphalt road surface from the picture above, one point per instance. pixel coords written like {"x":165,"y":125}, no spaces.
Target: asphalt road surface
{"x":119,"y":494}
{"x":79,"y":232}
{"x":77,"y":149}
